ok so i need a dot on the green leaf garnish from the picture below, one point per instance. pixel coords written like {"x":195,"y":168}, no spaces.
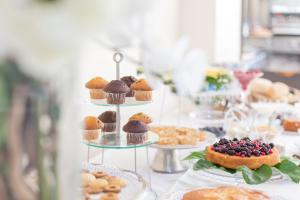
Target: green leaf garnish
{"x":195,"y":155}
{"x":257,"y":176}
{"x":203,"y":164}
{"x":290,"y":169}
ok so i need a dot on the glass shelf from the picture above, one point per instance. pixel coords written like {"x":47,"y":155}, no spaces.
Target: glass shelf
{"x":129,"y":101}
{"x":109,"y":141}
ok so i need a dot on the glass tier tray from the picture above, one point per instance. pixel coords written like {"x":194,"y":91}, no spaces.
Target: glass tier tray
{"x":129,"y":101}
{"x":136,"y":185}
{"x":109,"y":141}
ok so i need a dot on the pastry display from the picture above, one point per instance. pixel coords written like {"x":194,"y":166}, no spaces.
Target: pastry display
{"x":261,"y":89}
{"x":129,"y":80}
{"x":92,"y":126}
{"x":245,"y":152}
{"x":109,"y":120}
{"x":141,"y":117}
{"x":142,"y":90}
{"x":96,"y":86}
{"x":107,"y":186}
{"x":172,"y":135}
{"x":291,"y":125}
{"x":225,"y":193}
{"x":136,"y":131}
{"x":116,"y":92}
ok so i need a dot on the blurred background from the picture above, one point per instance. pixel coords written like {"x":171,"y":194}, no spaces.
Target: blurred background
{"x":50,"y":48}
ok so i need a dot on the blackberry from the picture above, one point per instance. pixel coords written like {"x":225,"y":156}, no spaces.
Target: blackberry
{"x":271,"y":145}
{"x":231,"y":152}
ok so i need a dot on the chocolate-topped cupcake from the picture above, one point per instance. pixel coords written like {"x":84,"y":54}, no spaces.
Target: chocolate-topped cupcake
{"x":136,"y":132}
{"x":116,"y":91}
{"x":109,"y":120}
{"x":129,"y":80}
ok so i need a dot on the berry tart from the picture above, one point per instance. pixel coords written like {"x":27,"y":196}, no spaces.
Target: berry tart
{"x":244,"y":152}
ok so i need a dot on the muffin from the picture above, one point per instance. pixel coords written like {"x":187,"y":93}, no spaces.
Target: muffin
{"x":129,"y":80}
{"x":116,"y":92}
{"x":109,"y":120}
{"x":136,"y":132}
{"x":141,"y":117}
{"x":96,"y":86}
{"x":142,"y":90}
{"x":92,"y":128}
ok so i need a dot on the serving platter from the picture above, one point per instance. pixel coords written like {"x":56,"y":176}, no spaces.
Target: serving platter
{"x":136,"y":185}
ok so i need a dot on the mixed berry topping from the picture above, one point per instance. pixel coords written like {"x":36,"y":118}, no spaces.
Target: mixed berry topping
{"x":244,"y":147}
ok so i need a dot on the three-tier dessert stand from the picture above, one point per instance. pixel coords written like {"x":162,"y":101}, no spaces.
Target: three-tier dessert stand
{"x":118,"y":139}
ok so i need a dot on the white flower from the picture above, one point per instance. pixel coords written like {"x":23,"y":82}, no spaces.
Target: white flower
{"x":185,"y":67}
{"x":43,"y":37}
{"x":190,"y":73}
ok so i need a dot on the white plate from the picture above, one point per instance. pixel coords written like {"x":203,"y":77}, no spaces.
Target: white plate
{"x":136,"y":185}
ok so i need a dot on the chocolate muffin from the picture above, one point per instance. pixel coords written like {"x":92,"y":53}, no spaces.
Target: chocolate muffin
{"x":109,"y":120}
{"x":129,"y":80}
{"x":136,"y":132}
{"x":116,"y":91}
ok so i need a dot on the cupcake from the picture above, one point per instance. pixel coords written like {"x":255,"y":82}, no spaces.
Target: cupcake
{"x":116,"y":92}
{"x":92,"y":128}
{"x":141,"y":117}
{"x":142,"y":90}
{"x":136,"y":132}
{"x":129,"y":80}
{"x":109,"y":120}
{"x":96,"y":86}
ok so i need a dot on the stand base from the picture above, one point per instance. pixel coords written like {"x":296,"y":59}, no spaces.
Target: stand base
{"x":167,"y":161}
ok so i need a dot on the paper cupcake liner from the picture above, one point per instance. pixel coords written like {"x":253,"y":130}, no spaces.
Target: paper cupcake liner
{"x":115,"y":98}
{"x":91,"y":134}
{"x":97,"y":94}
{"x":130,"y":94}
{"x":136,"y":138}
{"x":143,"y":95}
{"x":109,"y":127}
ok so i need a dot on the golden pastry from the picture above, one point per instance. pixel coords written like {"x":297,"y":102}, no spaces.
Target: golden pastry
{"x":187,"y":140}
{"x":86,"y":179}
{"x":141,"y":117}
{"x":109,"y":196}
{"x":97,"y":185}
{"x":116,"y":181}
{"x":291,"y":125}
{"x":167,"y":141}
{"x":112,"y":188}
{"x":100,"y":174}
{"x":225,"y":193}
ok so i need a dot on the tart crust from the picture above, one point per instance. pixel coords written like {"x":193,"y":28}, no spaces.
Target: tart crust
{"x":233,"y":162}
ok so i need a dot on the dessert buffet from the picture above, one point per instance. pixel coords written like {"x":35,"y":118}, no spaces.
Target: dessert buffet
{"x":249,"y":146}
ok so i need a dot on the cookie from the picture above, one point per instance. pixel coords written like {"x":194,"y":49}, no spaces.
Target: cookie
{"x":86,"y":179}
{"x":97,"y":185}
{"x":99,"y":174}
{"x":117,"y":181}
{"x":112,"y":188}
{"x":167,"y":141}
{"x":110,"y":196}
{"x":187,"y":140}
